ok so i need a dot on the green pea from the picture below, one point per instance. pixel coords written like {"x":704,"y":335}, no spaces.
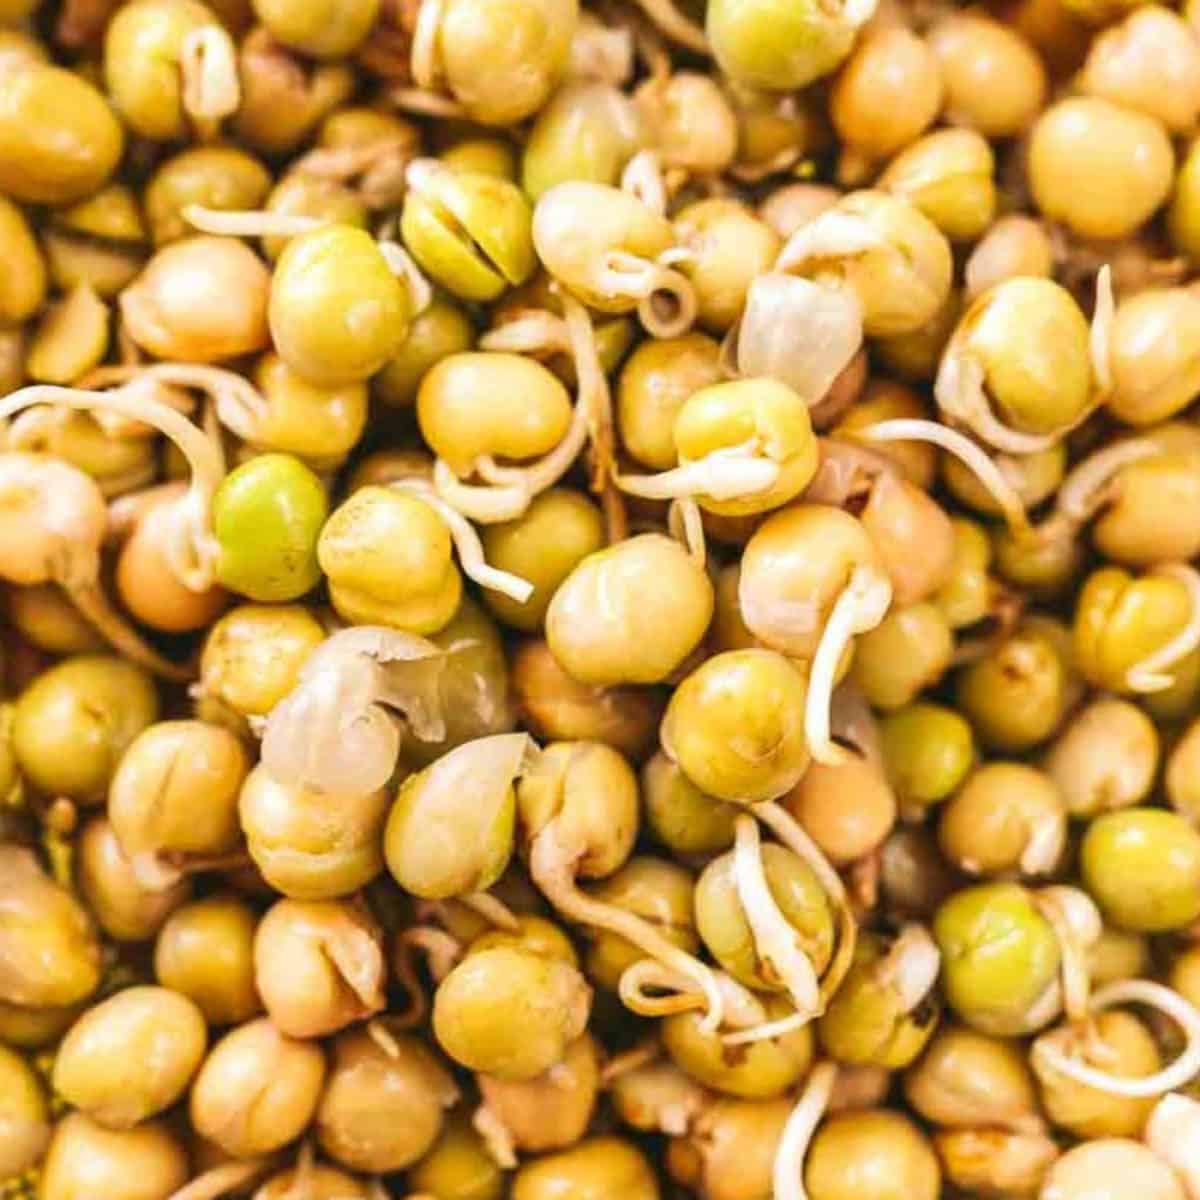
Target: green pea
{"x":337,"y":311}
{"x":999,"y":956}
{"x":778,"y":45}
{"x":510,"y":1012}
{"x":867,"y":1023}
{"x":75,"y":721}
{"x":758,"y":1071}
{"x":1142,"y":867}
{"x":927,"y":750}
{"x":439,"y":331}
{"x":726,"y":930}
{"x":267,"y":515}
{"x":470,"y":232}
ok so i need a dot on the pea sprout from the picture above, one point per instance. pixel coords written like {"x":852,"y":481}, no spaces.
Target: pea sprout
{"x":61,"y":542}
{"x":774,"y":938}
{"x":961,"y":385}
{"x":666,"y":300}
{"x":860,"y":607}
{"x":441,"y":952}
{"x":1151,"y":674}
{"x":262,"y":223}
{"x":338,"y":730}
{"x":788,"y":1173}
{"x":467,"y":543}
{"x":510,"y":490}
{"x":1052,"y":1050}
{"x":792,"y":835}
{"x":192,"y":551}
{"x":553,"y":862}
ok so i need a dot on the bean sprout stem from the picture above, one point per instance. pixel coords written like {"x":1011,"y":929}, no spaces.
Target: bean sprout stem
{"x":651,"y":285}
{"x":790,"y":832}
{"x":725,"y":474}
{"x":775,"y":941}
{"x":497,"y":1139}
{"x":862,"y":604}
{"x":192,"y":555}
{"x":1150,"y":675}
{"x":467,"y":543}
{"x":1100,"y":334}
{"x":492,"y":909}
{"x":550,"y":864}
{"x":960,"y":394}
{"x":965,"y":450}
{"x":788,"y":1175}
{"x":687,"y":526}
{"x":1082,"y":492}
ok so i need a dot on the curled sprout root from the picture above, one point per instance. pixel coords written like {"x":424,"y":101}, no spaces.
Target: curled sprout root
{"x":666,"y":300}
{"x":725,"y":474}
{"x":441,"y":953}
{"x":497,"y":1137}
{"x":208,"y":65}
{"x":788,"y":1173}
{"x":1076,"y":923}
{"x":551,"y":865}
{"x":239,"y":405}
{"x":193,"y":551}
{"x":1152,"y":673}
{"x":492,"y":909}
{"x":223,"y":1179}
{"x":862,"y":604}
{"x":467,"y":543}
{"x":789,"y":831}
{"x":911,"y":966}
{"x":1049,"y":1051}
{"x":643,"y":178}
{"x":775,"y":940}
{"x":650,"y":989}
{"x":337,"y":730}
{"x":249,"y":222}
{"x":532,"y":331}
{"x":1084,"y":491}
{"x":510,"y":490}
{"x":966,"y":451}
{"x":961,"y":395}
